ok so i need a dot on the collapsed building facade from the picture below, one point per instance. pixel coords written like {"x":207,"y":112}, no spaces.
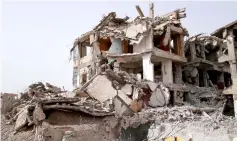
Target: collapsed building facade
{"x":150,"y":47}
{"x":137,"y":80}
{"x":228,"y":55}
{"x":212,"y":61}
{"x":203,"y":68}
{"x":153,"y":49}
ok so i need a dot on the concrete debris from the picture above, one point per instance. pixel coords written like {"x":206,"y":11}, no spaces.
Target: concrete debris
{"x":127,"y":89}
{"x":94,"y":88}
{"x":21,"y":119}
{"x":157,"y":99}
{"x":133,"y":78}
{"x":38,"y":114}
{"x":31,"y":109}
{"x":163,"y":115}
{"x":69,"y":136}
{"x":121,"y":109}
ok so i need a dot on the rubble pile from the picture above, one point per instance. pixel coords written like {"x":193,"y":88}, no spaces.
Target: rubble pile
{"x":41,"y":90}
{"x":38,"y":99}
{"x":136,"y":72}
{"x":125,"y":92}
{"x":164,"y":114}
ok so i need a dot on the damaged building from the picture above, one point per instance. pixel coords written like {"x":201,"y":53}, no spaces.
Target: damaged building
{"x":228,"y":55}
{"x":203,"y":68}
{"x":152,"y":48}
{"x":136,"y":79}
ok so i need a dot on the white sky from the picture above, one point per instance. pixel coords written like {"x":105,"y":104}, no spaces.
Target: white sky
{"x":37,"y":36}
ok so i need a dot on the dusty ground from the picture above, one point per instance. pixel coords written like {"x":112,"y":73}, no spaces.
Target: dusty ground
{"x":60,"y":125}
{"x":71,"y":126}
{"x":7,"y":133}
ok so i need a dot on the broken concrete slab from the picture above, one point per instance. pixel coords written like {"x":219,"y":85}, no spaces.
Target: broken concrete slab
{"x":22,"y":119}
{"x":38,"y":114}
{"x":152,"y":85}
{"x":165,"y":92}
{"x":121,"y":105}
{"x":127,"y":89}
{"x":68,"y":94}
{"x":157,"y":99}
{"x":101,"y":88}
{"x":133,"y":30}
{"x":135,"y":93}
{"x":124,"y":97}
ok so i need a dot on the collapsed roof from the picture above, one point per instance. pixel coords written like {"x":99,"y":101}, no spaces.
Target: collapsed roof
{"x":206,"y":40}
{"x":135,"y":29}
{"x":219,"y":31}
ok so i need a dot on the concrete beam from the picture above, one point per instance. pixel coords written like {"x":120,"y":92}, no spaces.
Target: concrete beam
{"x":151,"y":10}
{"x":139,"y":11}
{"x":175,"y":29}
{"x":167,"y":55}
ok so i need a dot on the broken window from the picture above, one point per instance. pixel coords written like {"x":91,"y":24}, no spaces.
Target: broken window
{"x":82,"y":51}
{"x":126,"y":47}
{"x":158,"y":42}
{"x":84,"y":48}
{"x":104,"y":44}
{"x":116,"y":46}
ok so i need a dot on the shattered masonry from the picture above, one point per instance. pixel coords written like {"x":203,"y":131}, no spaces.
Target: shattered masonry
{"x":153,"y":49}
{"x":134,"y":79}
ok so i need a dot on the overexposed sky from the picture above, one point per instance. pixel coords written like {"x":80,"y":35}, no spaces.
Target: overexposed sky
{"x":37,"y":36}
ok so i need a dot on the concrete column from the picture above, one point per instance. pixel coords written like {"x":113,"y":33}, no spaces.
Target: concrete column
{"x":148,"y":67}
{"x":232,"y":60}
{"x":233,"y":68}
{"x":178,"y":74}
{"x":193,"y":51}
{"x":232,"y":57}
{"x":202,"y":47}
{"x":233,"y":71}
{"x":231,"y":46}
{"x":167,"y":74}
